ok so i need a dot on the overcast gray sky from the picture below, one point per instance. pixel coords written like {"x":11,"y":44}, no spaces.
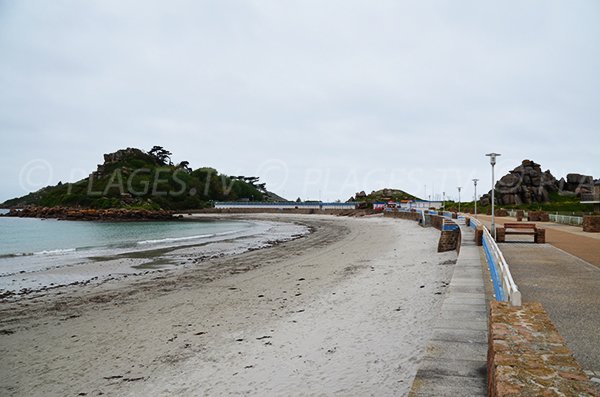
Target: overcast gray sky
{"x":318,"y":98}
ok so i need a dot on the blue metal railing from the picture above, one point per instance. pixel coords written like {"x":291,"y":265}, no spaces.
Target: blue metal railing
{"x":493,"y":266}
{"x":450,"y":226}
{"x":505,"y":288}
{"x":474,"y":223}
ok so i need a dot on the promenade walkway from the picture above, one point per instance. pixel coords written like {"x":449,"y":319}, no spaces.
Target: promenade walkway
{"x":571,"y":239}
{"x":567,"y":285}
{"x":455,"y":359}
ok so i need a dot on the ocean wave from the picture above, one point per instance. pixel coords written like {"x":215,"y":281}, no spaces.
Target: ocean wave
{"x":187,"y":238}
{"x":55,"y":251}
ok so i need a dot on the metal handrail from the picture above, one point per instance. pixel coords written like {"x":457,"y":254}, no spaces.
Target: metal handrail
{"x":504,"y":285}
{"x":566,"y":219}
{"x":505,"y":288}
{"x":556,"y":218}
{"x":474,"y":222}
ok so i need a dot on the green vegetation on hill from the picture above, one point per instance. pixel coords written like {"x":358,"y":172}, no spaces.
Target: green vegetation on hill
{"x":132,"y":178}
{"x":383,"y":195}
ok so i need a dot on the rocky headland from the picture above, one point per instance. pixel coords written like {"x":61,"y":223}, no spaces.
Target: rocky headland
{"x":66,"y":213}
{"x":133,"y":178}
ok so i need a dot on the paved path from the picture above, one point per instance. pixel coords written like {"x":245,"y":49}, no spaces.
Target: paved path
{"x":455,"y":360}
{"x":564,"y":275}
{"x":569,"y":289}
{"x":571,"y":239}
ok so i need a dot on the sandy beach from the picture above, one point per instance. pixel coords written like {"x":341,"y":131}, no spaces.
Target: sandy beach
{"x":346,"y":310}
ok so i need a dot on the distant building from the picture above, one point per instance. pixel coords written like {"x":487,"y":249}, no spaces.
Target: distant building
{"x":407,"y":205}
{"x":379,"y":205}
{"x":284,"y":205}
{"x":422,"y":204}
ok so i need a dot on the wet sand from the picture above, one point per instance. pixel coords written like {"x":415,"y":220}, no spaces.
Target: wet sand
{"x":346,"y":310}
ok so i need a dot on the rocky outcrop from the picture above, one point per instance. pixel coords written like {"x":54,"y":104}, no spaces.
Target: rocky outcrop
{"x":577,"y":184}
{"x":123,"y":154}
{"x":382,"y":195}
{"x":90,"y":214}
{"x":359,"y":196}
{"x":528,"y":184}
{"x":119,"y":156}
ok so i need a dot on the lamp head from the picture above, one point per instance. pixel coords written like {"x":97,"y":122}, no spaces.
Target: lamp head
{"x":493,"y":157}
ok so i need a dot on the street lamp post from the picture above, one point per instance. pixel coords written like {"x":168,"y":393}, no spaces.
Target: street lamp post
{"x":443,"y":201}
{"x":475,"y":183}
{"x":459,"y":198}
{"x":493,"y":163}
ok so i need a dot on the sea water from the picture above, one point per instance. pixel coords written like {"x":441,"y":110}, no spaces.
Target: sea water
{"x":31,"y":236}
{"x":37,"y":253}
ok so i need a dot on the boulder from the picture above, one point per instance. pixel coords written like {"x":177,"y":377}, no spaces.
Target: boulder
{"x":526,"y":184}
{"x":577,"y":184}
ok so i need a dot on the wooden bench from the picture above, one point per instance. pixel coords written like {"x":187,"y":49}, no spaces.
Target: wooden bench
{"x":539,"y":235}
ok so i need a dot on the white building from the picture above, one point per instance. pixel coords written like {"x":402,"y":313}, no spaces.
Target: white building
{"x":422,"y":205}
{"x":410,"y":204}
{"x":284,"y":205}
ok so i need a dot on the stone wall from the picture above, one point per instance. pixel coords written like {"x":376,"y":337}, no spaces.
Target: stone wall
{"x":413,"y":216}
{"x":449,"y":240}
{"x":528,"y":357}
{"x":500,"y":212}
{"x":520,"y":215}
{"x":437,"y":221}
{"x":538,"y":216}
{"x":540,"y":236}
{"x":591,"y":223}
{"x":479,"y":236}
{"x":500,"y":234}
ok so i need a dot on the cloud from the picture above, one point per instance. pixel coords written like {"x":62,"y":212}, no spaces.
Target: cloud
{"x":350,"y":95}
